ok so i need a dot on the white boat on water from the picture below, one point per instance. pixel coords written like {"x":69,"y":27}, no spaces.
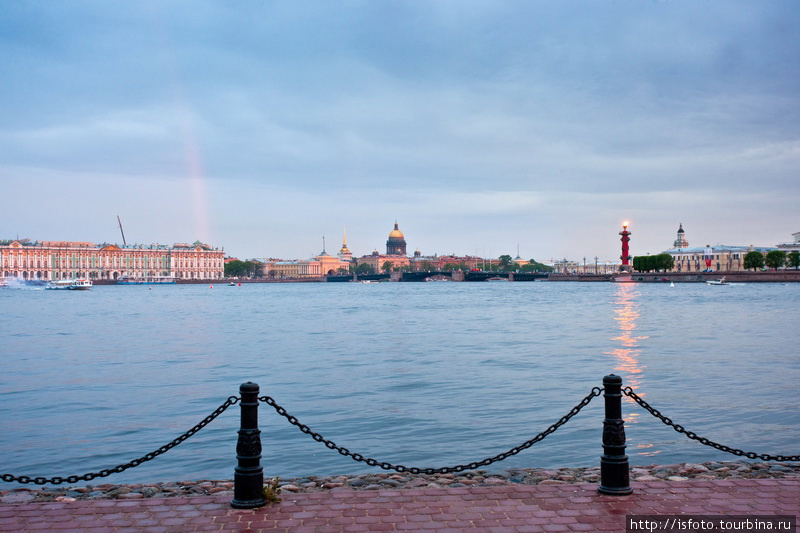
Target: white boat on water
{"x":80,"y":284}
{"x":720,"y":281}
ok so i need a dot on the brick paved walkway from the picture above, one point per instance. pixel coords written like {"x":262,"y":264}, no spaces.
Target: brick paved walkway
{"x":505,"y":508}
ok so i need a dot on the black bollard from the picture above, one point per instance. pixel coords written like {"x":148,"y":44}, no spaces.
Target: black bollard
{"x":248,"y":477}
{"x":614,"y":470}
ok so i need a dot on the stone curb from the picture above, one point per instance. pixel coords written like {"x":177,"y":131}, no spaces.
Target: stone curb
{"x":721,"y":470}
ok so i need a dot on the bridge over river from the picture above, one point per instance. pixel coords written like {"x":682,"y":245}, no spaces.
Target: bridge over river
{"x":458,"y":275}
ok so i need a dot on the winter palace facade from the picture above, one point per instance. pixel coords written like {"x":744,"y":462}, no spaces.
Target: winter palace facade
{"x":53,"y":260}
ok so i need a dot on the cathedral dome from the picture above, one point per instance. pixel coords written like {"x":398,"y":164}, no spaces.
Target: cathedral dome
{"x":396,"y":233}
{"x":396,"y":243}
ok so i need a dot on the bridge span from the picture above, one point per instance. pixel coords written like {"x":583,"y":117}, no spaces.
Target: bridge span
{"x":457,"y":275}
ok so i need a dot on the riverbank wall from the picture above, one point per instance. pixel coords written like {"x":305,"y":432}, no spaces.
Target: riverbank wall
{"x":218,"y":281}
{"x":771,"y":276}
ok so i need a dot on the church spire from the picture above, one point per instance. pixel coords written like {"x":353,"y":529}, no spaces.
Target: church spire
{"x":344,"y":252}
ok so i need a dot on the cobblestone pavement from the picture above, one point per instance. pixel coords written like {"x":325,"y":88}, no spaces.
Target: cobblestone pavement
{"x":504,"y":508}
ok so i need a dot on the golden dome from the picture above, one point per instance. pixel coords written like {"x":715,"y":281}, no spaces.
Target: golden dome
{"x":396,"y":244}
{"x":396,"y":233}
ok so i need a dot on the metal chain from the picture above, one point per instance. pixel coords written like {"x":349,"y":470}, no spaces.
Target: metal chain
{"x":702,"y":440}
{"x":596,"y":391}
{"x":57,"y":480}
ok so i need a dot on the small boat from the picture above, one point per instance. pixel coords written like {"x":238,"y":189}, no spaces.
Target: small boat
{"x":80,"y":284}
{"x":231,"y":284}
{"x":720,"y":281}
{"x":3,"y":282}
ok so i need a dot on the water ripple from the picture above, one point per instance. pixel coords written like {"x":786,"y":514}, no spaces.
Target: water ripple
{"x":422,"y":374}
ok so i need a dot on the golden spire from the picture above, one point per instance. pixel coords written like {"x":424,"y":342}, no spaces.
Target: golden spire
{"x":344,"y":250}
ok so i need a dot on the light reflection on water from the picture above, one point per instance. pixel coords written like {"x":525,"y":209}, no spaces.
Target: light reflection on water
{"x":428,"y":374}
{"x":627,"y":312}
{"x":629,"y":351}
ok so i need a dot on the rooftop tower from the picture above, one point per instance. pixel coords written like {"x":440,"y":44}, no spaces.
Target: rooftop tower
{"x":681,"y":241}
{"x":344,"y":252}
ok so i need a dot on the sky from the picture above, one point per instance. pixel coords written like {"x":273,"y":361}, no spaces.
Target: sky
{"x":480,"y":127}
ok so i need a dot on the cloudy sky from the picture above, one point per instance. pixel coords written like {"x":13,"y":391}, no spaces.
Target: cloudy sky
{"x":480,"y":126}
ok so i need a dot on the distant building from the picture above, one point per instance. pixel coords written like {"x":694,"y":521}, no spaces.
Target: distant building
{"x":53,"y":260}
{"x":323,"y":264}
{"x":396,"y":243}
{"x":446,"y":262}
{"x":286,"y":269}
{"x":395,"y":257}
{"x":723,"y":257}
{"x":791,"y":246}
{"x":591,"y":266}
{"x":378,"y":262}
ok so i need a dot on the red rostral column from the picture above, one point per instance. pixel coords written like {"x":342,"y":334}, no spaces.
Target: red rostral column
{"x":625,"y":239}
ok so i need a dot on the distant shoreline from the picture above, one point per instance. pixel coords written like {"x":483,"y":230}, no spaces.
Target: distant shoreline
{"x":768,"y":276}
{"x":771,"y":276}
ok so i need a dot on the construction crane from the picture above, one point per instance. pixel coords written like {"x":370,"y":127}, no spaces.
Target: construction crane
{"x":121,"y":231}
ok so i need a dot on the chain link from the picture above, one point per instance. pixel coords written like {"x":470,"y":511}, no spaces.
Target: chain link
{"x":232,"y":400}
{"x":702,"y":440}
{"x":57,"y":480}
{"x":596,"y":391}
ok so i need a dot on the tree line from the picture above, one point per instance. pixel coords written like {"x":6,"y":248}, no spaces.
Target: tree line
{"x":653,"y":263}
{"x":243,"y":269}
{"x":774,"y":259}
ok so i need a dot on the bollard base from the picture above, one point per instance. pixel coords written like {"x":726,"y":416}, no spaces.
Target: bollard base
{"x":248,"y":504}
{"x":614,"y":475}
{"x":248,"y":490}
{"x":615,"y":492}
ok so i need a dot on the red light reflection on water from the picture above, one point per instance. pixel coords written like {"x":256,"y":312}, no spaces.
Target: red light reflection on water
{"x":627,"y":353}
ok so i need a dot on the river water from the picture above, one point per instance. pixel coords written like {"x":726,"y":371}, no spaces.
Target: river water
{"x":419,"y":374}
